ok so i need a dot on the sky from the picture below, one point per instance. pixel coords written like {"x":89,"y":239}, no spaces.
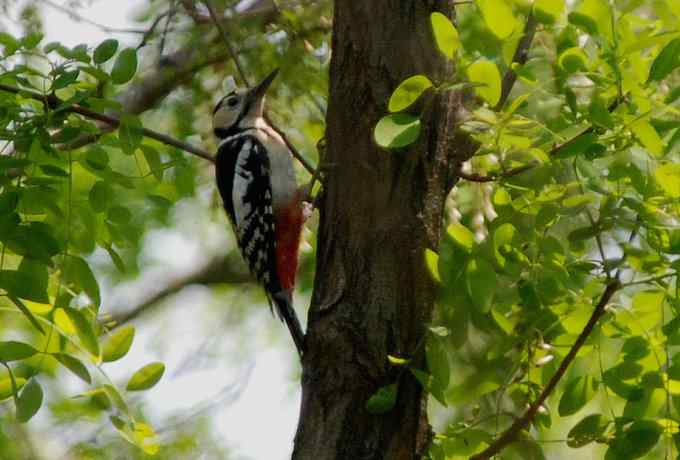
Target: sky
{"x":257,"y":394}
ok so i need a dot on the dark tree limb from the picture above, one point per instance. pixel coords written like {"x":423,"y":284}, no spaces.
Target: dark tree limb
{"x":512,"y":433}
{"x":520,"y":57}
{"x":473,"y":177}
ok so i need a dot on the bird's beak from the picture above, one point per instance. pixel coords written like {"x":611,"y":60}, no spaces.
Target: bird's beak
{"x":257,"y":93}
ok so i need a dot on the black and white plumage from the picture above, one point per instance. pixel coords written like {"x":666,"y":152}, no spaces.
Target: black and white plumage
{"x":256,"y":181}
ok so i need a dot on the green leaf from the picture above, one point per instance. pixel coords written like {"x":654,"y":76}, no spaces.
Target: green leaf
{"x":489,"y":78}
{"x":668,"y":178}
{"x":432,"y":264}
{"x":65,"y":79}
{"x":577,"y":393}
{"x":667,"y":60}
{"x":576,"y":146}
{"x":119,"y":215}
{"x":146,"y":377}
{"x":599,"y":114}
{"x":27,"y":313}
{"x":15,"y":351}
{"x":153,"y":159}
{"x":438,"y":365}
{"x":29,"y":401}
{"x":97,"y":158}
{"x":461,"y":235}
{"x":105,"y":51}
{"x":445,"y":34}
{"x":118,"y":344}
{"x":498,"y":17}
{"x":573,"y":60}
{"x":78,"y":272}
{"x":35,"y":273}
{"x":74,"y":365}
{"x":589,"y":429}
{"x":648,"y":137}
{"x":548,"y":11}
{"x":397,"y":361}
{"x":480,"y":280}
{"x":397,"y":130}
{"x":408,"y":92}
{"x":115,"y":397}
{"x":84,"y":330}
{"x":100,"y":196}
{"x":125,"y":66}
{"x":6,"y":390}
{"x":130,"y":133}
{"x":383,"y":400}
{"x":637,"y":440}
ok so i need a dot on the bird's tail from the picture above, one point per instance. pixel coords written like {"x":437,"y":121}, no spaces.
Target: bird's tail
{"x":285,"y":311}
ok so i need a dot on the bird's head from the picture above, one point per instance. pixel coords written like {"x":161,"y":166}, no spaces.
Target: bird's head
{"x":240,"y":108}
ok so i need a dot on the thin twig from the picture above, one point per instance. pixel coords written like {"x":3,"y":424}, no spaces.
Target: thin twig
{"x":512,"y":433}
{"x":474,"y":177}
{"x":520,"y":57}
{"x":225,"y":38}
{"x":652,"y":279}
{"x":78,"y":18}
{"x":152,"y":28}
{"x":111,"y":121}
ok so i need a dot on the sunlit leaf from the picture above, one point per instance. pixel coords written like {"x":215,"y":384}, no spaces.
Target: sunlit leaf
{"x":408,"y":92}
{"x":487,"y":75}
{"x":461,"y":235}
{"x":445,"y":34}
{"x":78,"y":272}
{"x":432,"y":263}
{"x":648,"y":137}
{"x":146,"y":377}
{"x":397,"y":130}
{"x":84,"y":330}
{"x":118,"y":344}
{"x":498,"y":17}
{"x":589,"y":429}
{"x":668,"y":178}
{"x":548,"y":11}
{"x":6,"y":390}
{"x":480,"y":280}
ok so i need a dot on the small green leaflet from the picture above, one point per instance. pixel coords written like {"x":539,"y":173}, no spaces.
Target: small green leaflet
{"x":638,"y":439}
{"x":498,"y":17}
{"x":668,"y":178}
{"x":6,"y":390}
{"x":383,"y":400}
{"x":438,"y":365}
{"x":15,"y":351}
{"x":397,"y":130}
{"x":576,"y":146}
{"x":74,"y":365}
{"x":432,"y":263}
{"x":408,"y":92}
{"x":445,"y":34}
{"x":130,"y":133}
{"x":461,"y":235}
{"x":589,"y":429}
{"x":487,"y":75}
{"x":29,"y":401}
{"x":146,"y":377}
{"x":480,"y":280}
{"x":153,"y":159}
{"x":125,"y":66}
{"x":573,"y":60}
{"x":100,"y":196}
{"x":78,"y":272}
{"x":577,"y":393}
{"x":84,"y":330}
{"x":548,"y":11}
{"x":667,"y":61}
{"x":648,"y":137}
{"x":105,"y":51}
{"x":118,"y":344}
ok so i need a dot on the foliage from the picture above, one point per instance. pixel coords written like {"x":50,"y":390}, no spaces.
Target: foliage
{"x":585,"y":157}
{"x":79,"y":199}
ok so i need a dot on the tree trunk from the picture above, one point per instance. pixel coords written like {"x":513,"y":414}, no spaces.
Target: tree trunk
{"x":380,"y":210}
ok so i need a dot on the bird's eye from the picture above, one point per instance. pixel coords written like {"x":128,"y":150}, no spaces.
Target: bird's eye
{"x":232,"y":101}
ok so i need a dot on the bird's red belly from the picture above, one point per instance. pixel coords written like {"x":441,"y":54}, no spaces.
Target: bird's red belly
{"x":288,"y":228}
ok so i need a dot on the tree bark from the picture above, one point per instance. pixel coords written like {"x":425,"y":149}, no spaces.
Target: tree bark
{"x":380,"y":210}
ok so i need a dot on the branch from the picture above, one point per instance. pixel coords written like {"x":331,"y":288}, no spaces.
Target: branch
{"x":474,"y":177}
{"x":109,"y":120}
{"x":512,"y":433}
{"x":220,"y":270}
{"x":520,"y":57}
{"x":227,"y":43}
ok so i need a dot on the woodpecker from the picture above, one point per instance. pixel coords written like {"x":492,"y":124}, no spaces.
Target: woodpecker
{"x":256,"y":180}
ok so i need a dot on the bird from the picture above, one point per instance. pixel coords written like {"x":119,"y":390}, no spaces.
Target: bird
{"x":256,"y":181}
